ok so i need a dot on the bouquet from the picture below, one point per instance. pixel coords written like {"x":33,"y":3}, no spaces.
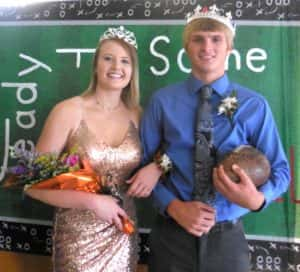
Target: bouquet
{"x":60,"y":172}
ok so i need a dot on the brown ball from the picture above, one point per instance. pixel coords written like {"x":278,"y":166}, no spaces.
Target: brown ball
{"x":251,"y":160}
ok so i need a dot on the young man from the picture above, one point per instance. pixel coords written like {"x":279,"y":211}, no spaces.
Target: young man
{"x":192,"y":236}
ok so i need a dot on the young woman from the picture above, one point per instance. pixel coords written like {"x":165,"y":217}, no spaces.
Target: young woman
{"x":103,"y":124}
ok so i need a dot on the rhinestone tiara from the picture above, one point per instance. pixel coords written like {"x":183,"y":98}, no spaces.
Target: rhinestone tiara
{"x":214,"y":13}
{"x":120,"y":33}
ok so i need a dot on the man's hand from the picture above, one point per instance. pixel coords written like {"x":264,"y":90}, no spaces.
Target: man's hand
{"x":194,"y":216}
{"x":244,"y":193}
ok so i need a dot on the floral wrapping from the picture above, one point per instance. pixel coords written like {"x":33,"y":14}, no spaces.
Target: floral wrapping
{"x":59,"y":172}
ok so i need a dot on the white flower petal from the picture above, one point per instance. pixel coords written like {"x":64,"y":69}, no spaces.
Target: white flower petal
{"x":228,"y":106}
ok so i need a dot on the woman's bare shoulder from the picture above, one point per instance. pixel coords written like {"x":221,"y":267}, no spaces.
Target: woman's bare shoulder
{"x":67,"y":113}
{"x":70,"y":104}
{"x":62,"y":120}
{"x":67,"y":109}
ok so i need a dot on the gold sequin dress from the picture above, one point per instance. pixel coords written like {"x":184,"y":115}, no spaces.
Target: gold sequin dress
{"x":81,"y":241}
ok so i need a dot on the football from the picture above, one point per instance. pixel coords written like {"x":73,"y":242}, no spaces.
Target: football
{"x":251,"y":160}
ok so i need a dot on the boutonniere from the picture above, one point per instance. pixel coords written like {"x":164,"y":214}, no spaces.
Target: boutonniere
{"x":228,"y":105}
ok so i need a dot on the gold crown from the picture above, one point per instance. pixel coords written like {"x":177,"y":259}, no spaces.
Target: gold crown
{"x":120,"y":33}
{"x":214,"y":13}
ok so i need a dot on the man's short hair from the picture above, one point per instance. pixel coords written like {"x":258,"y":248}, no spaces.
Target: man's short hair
{"x":206,"y":24}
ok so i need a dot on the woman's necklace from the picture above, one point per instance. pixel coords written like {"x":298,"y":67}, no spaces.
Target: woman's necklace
{"x":107,"y":107}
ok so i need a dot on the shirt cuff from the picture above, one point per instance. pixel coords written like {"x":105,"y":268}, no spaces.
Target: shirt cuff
{"x":162,"y":197}
{"x":261,"y":206}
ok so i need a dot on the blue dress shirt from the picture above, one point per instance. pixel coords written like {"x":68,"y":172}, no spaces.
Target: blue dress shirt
{"x":170,"y":118}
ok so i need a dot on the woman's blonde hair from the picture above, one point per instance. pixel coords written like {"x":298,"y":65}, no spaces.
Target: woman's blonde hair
{"x":131,"y":93}
{"x":206,"y":24}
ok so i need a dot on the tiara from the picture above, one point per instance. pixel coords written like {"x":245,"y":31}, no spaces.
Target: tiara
{"x":120,"y":33}
{"x":214,"y":13}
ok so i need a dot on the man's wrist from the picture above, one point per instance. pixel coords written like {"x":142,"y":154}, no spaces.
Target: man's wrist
{"x":172,"y":207}
{"x":262,"y":205}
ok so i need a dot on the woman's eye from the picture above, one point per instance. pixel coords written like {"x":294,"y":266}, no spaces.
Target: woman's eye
{"x":125,"y":61}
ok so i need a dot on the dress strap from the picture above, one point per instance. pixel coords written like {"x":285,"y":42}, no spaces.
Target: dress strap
{"x":81,"y":108}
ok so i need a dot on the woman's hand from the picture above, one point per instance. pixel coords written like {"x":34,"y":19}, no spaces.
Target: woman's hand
{"x":143,"y":182}
{"x":107,"y":209}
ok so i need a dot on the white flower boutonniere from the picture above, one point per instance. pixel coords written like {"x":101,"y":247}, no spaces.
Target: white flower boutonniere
{"x":229,"y":105}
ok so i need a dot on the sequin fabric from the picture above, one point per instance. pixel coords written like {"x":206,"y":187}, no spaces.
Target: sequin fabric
{"x":81,"y":241}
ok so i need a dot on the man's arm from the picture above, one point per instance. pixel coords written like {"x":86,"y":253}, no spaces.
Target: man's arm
{"x":269,"y":142}
{"x":151,"y":133}
{"x":265,"y":137}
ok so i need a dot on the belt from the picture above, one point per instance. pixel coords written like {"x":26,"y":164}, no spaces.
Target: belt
{"x":225,"y":225}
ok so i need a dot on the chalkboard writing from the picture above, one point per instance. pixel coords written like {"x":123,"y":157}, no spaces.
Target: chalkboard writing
{"x":285,"y":10}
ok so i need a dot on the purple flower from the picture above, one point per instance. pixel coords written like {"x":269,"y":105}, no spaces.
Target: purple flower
{"x":18,"y":170}
{"x":72,"y":160}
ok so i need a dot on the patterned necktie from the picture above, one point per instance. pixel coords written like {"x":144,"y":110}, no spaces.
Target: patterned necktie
{"x":204,"y":150}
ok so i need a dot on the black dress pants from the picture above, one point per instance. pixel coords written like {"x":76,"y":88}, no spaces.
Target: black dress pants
{"x":223,"y":249}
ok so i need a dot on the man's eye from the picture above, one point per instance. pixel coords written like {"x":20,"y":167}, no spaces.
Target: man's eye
{"x":216,"y":39}
{"x":107,"y":58}
{"x":197,"y":40}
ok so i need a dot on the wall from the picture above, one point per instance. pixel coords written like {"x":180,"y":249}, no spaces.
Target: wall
{"x":46,"y":51}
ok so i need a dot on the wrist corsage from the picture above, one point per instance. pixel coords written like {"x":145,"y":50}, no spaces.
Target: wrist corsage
{"x":163,"y":162}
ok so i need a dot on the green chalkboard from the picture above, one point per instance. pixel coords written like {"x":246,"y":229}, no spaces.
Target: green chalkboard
{"x":41,"y":65}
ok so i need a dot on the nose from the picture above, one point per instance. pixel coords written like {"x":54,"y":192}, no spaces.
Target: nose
{"x":206,"y":45}
{"x":116,"y":63}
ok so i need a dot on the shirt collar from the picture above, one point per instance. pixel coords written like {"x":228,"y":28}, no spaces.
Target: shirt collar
{"x":220,"y":85}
